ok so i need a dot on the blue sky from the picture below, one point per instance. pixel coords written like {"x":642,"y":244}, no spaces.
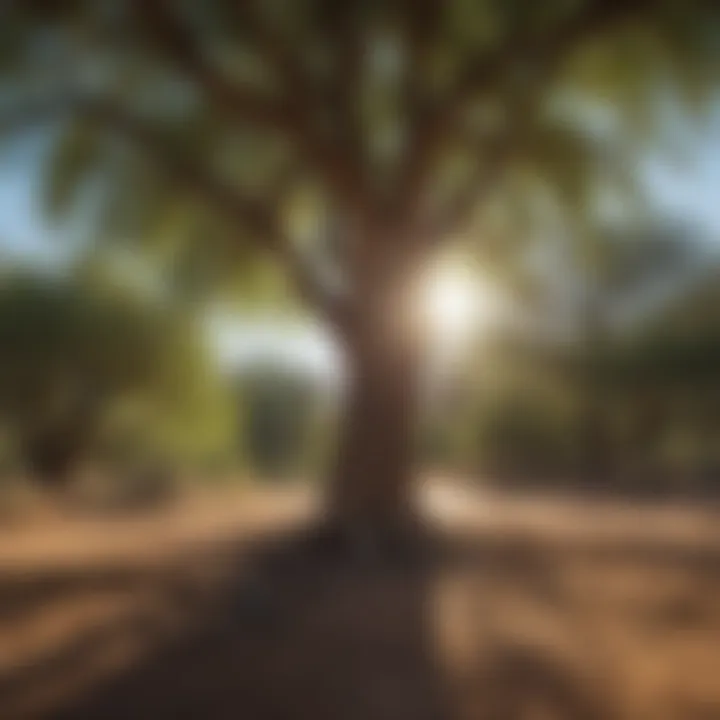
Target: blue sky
{"x":691,"y":188}
{"x":23,"y":231}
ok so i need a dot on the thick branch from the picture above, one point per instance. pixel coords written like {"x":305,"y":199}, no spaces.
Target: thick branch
{"x":489,"y":72}
{"x":286,"y":64}
{"x":420,"y":34}
{"x":259,"y":218}
{"x":544,"y":51}
{"x":459,"y":209}
{"x":290,"y":116}
{"x":342,"y":151}
{"x":181,"y":45}
{"x":492,"y":155}
{"x":343,"y":35}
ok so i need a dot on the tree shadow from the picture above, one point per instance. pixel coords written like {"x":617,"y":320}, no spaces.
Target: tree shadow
{"x":22,"y":593}
{"x":519,"y":682}
{"x":287,"y":631}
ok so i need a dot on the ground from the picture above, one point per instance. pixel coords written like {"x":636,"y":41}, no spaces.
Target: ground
{"x":527,"y":608}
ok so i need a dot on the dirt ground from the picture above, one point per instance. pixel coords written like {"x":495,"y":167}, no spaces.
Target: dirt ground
{"x":526,"y":608}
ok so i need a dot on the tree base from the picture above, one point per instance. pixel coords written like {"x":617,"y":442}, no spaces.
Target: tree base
{"x":366,"y":541}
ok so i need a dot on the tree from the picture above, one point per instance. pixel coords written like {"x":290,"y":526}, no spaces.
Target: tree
{"x":280,"y":412}
{"x":669,"y":374}
{"x":74,"y":356}
{"x":624,"y":341}
{"x":349,"y":140}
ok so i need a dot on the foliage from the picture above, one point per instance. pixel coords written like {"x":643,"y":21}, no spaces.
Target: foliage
{"x":283,"y":420}
{"x":634,"y":410}
{"x":284,"y":127}
{"x":81,"y":364}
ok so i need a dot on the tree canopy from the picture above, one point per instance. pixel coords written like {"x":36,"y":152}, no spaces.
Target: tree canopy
{"x":298,"y":128}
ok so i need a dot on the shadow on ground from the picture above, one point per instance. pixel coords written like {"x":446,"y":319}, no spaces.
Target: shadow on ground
{"x":493,"y":629}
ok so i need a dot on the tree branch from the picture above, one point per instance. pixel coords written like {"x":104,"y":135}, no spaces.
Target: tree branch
{"x":260,"y":219}
{"x":288,"y":116}
{"x":458,"y":210}
{"x":341,"y":152}
{"x":489,"y":72}
{"x":182,"y":47}
{"x":343,"y":34}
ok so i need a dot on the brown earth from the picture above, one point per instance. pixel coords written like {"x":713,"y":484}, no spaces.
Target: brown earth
{"x":521,"y":608}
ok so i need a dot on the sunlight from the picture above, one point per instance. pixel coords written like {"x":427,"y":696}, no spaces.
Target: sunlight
{"x":457,"y":305}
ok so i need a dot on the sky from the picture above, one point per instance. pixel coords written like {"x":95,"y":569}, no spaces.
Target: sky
{"x":24,"y":234}
{"x":691,"y":189}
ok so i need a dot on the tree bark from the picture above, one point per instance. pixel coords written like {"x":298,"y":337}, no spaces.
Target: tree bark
{"x":370,"y":493}
{"x":370,"y":486}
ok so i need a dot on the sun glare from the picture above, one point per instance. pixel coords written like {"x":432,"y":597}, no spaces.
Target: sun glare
{"x":456,"y":304}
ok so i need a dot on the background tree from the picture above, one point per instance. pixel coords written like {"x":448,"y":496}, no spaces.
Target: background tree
{"x":349,"y":140}
{"x":282,"y":412}
{"x":78,"y":362}
{"x":612,"y":360}
{"x":668,"y":373}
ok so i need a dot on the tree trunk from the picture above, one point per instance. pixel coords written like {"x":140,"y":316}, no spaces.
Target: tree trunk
{"x":52,"y":457}
{"x":371,"y":483}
